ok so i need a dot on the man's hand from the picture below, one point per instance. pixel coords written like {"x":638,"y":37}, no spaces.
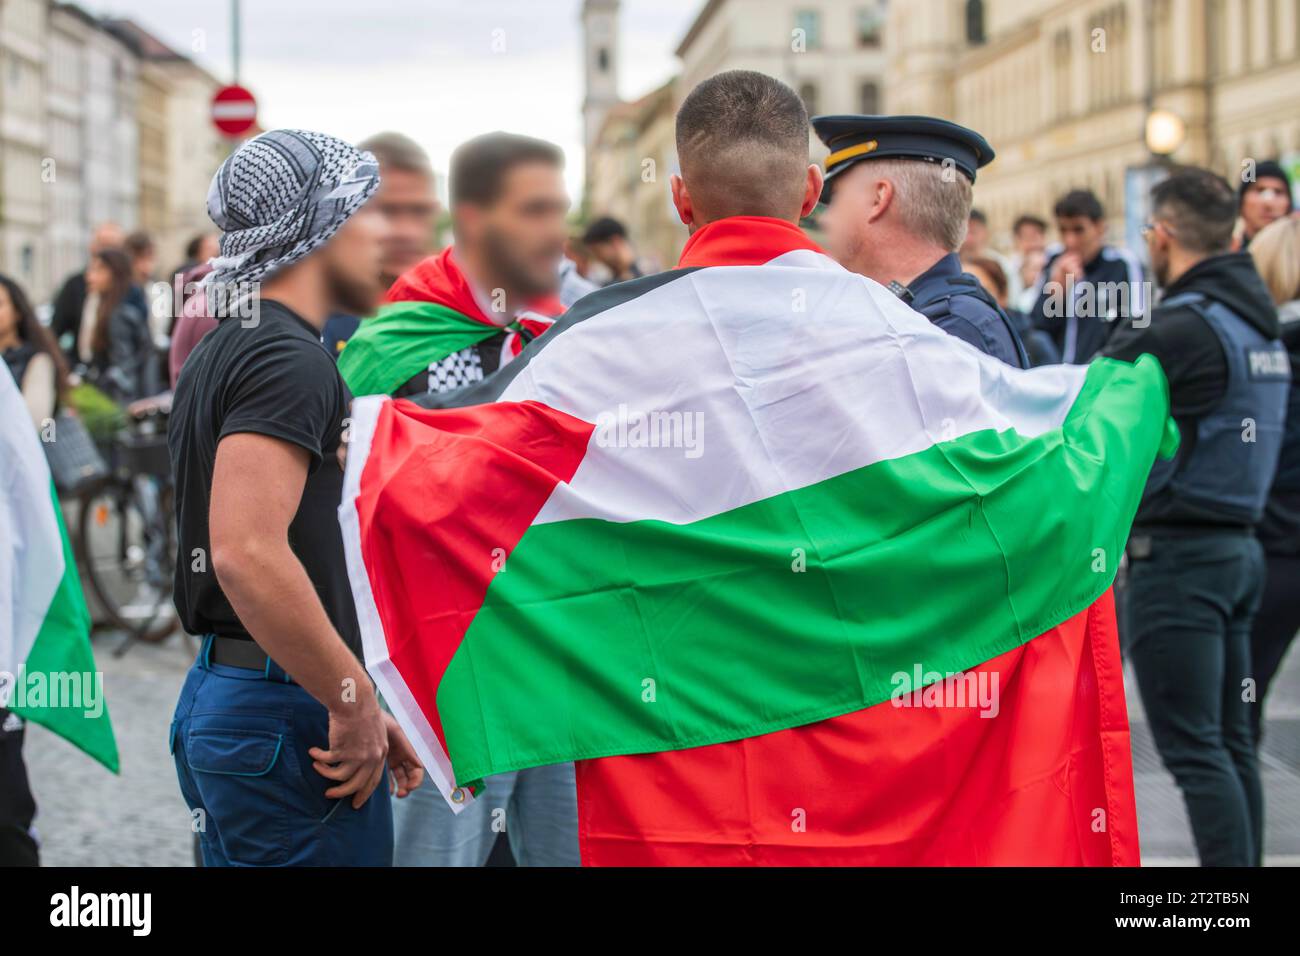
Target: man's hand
{"x":1068,"y":267}
{"x":407,"y":772}
{"x":358,"y":748}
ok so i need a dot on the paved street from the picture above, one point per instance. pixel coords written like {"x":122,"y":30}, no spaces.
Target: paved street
{"x":1162,"y":821}
{"x":90,"y":818}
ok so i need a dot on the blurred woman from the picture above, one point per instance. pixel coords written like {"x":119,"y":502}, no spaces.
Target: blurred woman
{"x":119,"y":353}
{"x":30,"y":353}
{"x":1276,"y":251}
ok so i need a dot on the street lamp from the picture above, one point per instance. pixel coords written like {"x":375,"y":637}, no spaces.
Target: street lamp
{"x":1165,"y":132}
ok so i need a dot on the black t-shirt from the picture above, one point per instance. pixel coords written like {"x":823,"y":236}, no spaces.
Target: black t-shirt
{"x":274,"y":378}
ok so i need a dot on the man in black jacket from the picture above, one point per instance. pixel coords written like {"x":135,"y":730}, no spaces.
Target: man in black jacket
{"x":1196,"y":569}
{"x":1263,"y":198}
{"x":1088,"y":285}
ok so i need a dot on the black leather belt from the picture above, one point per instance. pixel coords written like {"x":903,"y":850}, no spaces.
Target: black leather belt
{"x":236,"y":652}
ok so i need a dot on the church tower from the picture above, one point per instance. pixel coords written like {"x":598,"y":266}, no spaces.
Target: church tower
{"x":600,"y":47}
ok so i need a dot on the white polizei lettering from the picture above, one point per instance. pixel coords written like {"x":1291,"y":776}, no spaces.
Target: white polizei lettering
{"x":1268,"y":362}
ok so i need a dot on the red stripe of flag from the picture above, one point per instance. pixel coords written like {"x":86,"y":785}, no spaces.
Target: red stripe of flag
{"x":1046,"y":782}
{"x":468,"y":503}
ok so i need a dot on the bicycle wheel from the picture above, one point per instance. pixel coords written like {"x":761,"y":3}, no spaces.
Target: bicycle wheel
{"x":126,"y":544}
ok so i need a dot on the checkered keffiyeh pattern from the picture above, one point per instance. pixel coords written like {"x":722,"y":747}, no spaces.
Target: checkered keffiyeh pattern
{"x":456,"y":370}
{"x":282,"y":195}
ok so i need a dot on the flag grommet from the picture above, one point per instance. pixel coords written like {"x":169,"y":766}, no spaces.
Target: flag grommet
{"x":458,"y":795}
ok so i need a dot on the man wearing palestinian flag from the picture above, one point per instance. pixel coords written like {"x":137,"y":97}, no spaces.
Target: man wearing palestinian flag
{"x":465,"y":312}
{"x":447,"y":323}
{"x":795,"y":576}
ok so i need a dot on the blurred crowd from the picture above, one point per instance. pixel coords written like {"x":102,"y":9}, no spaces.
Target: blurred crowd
{"x":109,"y":327}
{"x":119,"y":331}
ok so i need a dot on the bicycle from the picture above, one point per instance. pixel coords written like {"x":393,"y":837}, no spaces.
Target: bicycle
{"x":126,"y":530}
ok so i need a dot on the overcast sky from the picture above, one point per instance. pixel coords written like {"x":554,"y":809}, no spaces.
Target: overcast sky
{"x":424,"y":67}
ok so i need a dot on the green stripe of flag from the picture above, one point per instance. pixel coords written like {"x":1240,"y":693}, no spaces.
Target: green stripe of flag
{"x":401,"y":340}
{"x":62,"y":651}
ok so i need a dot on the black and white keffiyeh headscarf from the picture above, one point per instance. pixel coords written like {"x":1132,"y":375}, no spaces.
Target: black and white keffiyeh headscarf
{"x":281,"y":195}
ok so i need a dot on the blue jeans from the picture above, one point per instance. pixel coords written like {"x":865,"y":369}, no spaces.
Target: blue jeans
{"x":537,"y":809}
{"x":240,"y":739}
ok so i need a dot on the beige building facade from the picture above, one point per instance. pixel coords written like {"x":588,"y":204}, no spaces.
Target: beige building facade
{"x":179,"y":147}
{"x":633,"y":158}
{"x":151,"y":128}
{"x":99,"y":121}
{"x":1063,"y":88}
{"x":68,"y":231}
{"x":832,"y":52}
{"x":25,"y":176}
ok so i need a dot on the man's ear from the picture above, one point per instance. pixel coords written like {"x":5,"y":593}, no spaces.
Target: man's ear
{"x":682,"y":200}
{"x":882,"y":199}
{"x":812,"y":193}
{"x":1164,"y":238}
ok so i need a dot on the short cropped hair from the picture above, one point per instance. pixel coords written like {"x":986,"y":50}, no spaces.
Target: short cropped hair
{"x":479,"y":166}
{"x":1028,"y":220}
{"x":742,"y":141}
{"x":1200,"y":207}
{"x":138,"y":243}
{"x":398,"y":151}
{"x":934,"y":204}
{"x":606,"y":227}
{"x":1079,"y":203}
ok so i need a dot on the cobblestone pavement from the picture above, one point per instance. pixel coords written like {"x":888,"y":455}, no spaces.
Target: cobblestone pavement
{"x":1162,"y":821}
{"x":88,"y":817}
{"x":85,"y":815}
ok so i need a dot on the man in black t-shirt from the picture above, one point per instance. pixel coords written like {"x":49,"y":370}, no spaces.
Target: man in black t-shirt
{"x":278,"y":738}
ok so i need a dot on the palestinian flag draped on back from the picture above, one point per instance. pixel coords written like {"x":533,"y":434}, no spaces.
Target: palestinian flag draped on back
{"x":429,"y":313}
{"x":797,"y":577}
{"x":47,"y":668}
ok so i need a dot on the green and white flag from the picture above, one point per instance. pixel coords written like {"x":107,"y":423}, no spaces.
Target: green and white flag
{"x":47,"y":668}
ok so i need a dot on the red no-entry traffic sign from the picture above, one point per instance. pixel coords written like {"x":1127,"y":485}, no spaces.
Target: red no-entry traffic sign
{"x":234,"y":111}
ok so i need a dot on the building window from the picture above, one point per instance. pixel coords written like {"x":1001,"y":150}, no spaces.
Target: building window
{"x":871,"y":24}
{"x":1162,"y":33}
{"x":1108,"y":70}
{"x":808,"y":93}
{"x":1214,"y":17}
{"x":869,"y":98}
{"x":1062,"y":47}
{"x":975,"y":22}
{"x":809,"y":23}
{"x":602,"y":60}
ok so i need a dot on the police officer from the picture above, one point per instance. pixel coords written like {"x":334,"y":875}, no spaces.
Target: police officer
{"x":1196,"y":571}
{"x":902,"y":189}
